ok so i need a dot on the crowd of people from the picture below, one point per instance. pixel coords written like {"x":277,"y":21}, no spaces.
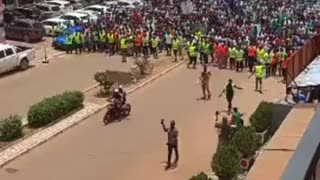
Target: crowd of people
{"x":230,"y":33}
{"x":235,"y":34}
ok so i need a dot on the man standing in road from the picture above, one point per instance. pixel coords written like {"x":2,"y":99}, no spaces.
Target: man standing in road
{"x":229,"y":91}
{"x":259,"y":72}
{"x":172,"y":141}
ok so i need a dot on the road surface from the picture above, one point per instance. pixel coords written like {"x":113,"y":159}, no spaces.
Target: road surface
{"x":72,"y":72}
{"x":135,"y":149}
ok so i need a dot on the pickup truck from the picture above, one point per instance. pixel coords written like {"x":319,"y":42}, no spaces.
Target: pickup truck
{"x":15,"y":57}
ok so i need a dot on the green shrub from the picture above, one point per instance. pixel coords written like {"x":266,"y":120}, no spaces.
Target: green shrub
{"x":226,"y":162}
{"x":200,"y":176}
{"x":53,"y":108}
{"x":107,"y":79}
{"x":261,"y":119}
{"x":10,"y":128}
{"x":245,"y":139}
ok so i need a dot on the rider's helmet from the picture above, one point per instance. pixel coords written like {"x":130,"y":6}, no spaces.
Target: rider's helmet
{"x":116,"y":90}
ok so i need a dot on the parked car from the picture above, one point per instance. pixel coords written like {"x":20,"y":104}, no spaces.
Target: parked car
{"x":110,"y":5}
{"x":12,"y":57}
{"x":30,"y":12}
{"x":98,"y":8}
{"x":75,"y":17}
{"x":49,"y":10}
{"x":92,"y":14}
{"x":9,"y":15}
{"x":50,"y":23}
{"x":59,"y":42}
{"x":78,"y":4}
{"x":65,"y":6}
{"x":25,"y":29}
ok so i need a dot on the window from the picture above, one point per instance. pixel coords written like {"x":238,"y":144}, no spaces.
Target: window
{"x":9,"y":52}
{"x":43,"y":8}
{"x":21,"y":24}
{"x":56,"y":8}
{"x":49,"y":23}
{"x":2,"y":54}
{"x":37,"y":25}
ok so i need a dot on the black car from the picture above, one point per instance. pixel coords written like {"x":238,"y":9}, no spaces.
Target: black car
{"x":9,"y":15}
{"x":30,"y":12}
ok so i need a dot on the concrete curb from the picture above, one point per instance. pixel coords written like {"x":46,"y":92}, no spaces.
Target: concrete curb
{"x":43,"y":136}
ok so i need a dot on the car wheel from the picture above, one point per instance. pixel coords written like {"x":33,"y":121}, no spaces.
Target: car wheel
{"x":26,"y":38}
{"x":24,"y":64}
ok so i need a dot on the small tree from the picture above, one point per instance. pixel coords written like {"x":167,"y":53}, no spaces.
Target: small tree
{"x":200,"y":176}
{"x":245,"y":139}
{"x":261,"y":119}
{"x":104,"y":83}
{"x":226,"y":162}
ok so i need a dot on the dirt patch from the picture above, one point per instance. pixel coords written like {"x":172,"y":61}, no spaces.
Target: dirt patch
{"x":159,"y":65}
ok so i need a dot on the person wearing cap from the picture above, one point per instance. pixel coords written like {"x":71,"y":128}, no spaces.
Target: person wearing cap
{"x":172,"y":142}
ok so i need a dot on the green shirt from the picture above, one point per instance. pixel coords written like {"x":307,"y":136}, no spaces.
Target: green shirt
{"x":237,"y":119}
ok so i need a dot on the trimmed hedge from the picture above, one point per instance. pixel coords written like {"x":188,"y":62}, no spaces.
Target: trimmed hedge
{"x":261,"y":119}
{"x":50,"y":109}
{"x":200,"y":176}
{"x":11,"y":128}
{"x":246,"y":141}
{"x":226,"y":162}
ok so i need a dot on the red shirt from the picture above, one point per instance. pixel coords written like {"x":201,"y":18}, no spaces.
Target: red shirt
{"x":138,"y":40}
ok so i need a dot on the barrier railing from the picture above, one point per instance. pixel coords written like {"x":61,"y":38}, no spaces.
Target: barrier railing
{"x":301,"y":58}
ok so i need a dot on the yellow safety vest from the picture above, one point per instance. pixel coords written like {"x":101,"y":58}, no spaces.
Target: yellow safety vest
{"x":102,"y":36}
{"x":123,"y":43}
{"x":145,"y":42}
{"x":259,"y":71}
{"x":175,"y":44}
{"x":154,"y":43}
{"x":77,"y":37}
{"x":110,"y":38}
{"x":192,"y":51}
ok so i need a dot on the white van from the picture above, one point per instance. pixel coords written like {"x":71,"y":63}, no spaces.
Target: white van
{"x":75,"y":17}
{"x":92,"y":14}
{"x":50,"y":23}
{"x":65,"y":6}
{"x":98,"y":8}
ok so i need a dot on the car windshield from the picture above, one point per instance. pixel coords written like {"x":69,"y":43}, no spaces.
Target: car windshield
{"x":43,"y":8}
{"x":55,"y":8}
{"x":85,"y":18}
{"x":94,"y":9}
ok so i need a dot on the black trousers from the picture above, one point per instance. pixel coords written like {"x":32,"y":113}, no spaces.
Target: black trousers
{"x":175,"y":53}
{"x":78,"y":48}
{"x":193,"y":60}
{"x":229,"y":98}
{"x":170,"y":149}
{"x":239,"y":66}
{"x":205,"y":58}
{"x":258,"y":84}
{"x":145,"y":51}
{"x":251,"y":61}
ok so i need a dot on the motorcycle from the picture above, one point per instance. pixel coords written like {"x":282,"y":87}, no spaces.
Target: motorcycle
{"x":114,"y":113}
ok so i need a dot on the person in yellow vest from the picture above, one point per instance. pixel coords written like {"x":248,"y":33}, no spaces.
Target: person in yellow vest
{"x":124,"y":48}
{"x":111,"y":43}
{"x":102,"y":40}
{"x":154,"y":46}
{"x":206,"y":51}
{"x":145,"y":46}
{"x":232,"y":53}
{"x":68,"y":43}
{"x":193,"y":55}
{"x":259,"y":73}
{"x":78,"y":42}
{"x":239,"y":59}
{"x":267,"y":58}
{"x":175,"y":47}
{"x":260,"y":53}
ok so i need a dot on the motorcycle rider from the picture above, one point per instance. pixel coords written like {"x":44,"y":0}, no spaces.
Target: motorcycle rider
{"x":123,"y":95}
{"x":117,"y":100}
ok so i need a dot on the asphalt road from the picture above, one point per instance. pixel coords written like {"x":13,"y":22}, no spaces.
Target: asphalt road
{"x":135,"y":149}
{"x":19,"y":90}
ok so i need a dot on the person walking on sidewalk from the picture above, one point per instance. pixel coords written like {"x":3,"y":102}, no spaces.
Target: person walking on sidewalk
{"x":229,"y":91}
{"x":259,"y":72}
{"x":172,"y":141}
